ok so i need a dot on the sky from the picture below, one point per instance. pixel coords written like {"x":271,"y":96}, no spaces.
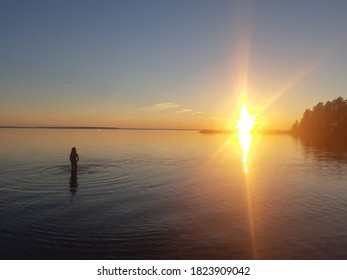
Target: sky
{"x":168,"y":64}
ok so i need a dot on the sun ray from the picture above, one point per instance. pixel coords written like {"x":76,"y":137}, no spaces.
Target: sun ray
{"x":245,"y":125}
{"x":300,"y":75}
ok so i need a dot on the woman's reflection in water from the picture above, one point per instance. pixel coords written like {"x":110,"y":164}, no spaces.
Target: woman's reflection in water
{"x":73,"y":183}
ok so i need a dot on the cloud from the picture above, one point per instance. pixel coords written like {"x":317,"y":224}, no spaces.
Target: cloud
{"x":183,"y":111}
{"x":195,"y":113}
{"x":169,"y":105}
{"x":160,"y":106}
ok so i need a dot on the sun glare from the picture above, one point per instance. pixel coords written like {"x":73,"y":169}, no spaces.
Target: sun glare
{"x":246,"y":122}
{"x":245,"y":125}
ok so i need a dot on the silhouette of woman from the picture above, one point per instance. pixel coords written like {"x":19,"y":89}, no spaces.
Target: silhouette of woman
{"x":74,"y":158}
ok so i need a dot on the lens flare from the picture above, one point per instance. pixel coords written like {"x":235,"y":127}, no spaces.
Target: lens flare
{"x":246,"y":122}
{"x":245,"y":125}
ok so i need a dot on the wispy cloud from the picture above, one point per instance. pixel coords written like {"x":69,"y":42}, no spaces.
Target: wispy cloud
{"x":190,"y":111}
{"x":170,"y":105}
{"x":183,"y":111}
{"x":196,"y":113}
{"x":160,"y":106}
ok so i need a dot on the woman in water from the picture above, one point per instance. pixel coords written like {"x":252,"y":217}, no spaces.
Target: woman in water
{"x":74,"y":158}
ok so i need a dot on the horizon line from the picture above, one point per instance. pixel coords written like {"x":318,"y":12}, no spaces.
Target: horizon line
{"x":94,"y":127}
{"x":133,"y":128}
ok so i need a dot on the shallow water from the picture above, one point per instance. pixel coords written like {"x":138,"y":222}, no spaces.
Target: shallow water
{"x":169,"y":195}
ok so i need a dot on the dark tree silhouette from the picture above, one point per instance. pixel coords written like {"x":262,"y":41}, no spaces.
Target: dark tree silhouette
{"x":324,"y":120}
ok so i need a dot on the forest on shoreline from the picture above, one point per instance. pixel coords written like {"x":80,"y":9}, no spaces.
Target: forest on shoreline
{"x":327,"y":120}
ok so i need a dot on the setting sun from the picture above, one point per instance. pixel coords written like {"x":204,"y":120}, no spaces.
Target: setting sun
{"x":246,"y":122}
{"x":245,"y":125}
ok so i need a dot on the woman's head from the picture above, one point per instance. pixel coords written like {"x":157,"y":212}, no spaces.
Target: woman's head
{"x":73,"y":150}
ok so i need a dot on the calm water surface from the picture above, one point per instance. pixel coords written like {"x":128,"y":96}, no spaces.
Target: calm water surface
{"x":170,"y":195}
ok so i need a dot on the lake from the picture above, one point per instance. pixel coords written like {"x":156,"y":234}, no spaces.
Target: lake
{"x":170,"y":195}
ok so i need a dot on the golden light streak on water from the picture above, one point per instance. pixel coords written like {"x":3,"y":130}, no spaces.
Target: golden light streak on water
{"x":245,"y":125}
{"x":245,"y":141}
{"x":250,"y":210}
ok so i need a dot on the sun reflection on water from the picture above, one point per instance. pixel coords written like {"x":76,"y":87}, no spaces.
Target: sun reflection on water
{"x":245,"y":125}
{"x":245,"y":141}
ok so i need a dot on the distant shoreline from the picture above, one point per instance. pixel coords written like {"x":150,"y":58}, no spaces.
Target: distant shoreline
{"x":92,"y":128}
{"x":203,"y":131}
{"x":56,"y":127}
{"x":265,"y":131}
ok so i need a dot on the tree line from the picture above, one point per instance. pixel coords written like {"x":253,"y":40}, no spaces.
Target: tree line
{"x":323,"y":120}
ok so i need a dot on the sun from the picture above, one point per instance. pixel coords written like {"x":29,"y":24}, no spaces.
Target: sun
{"x":245,"y":126}
{"x":246,"y":122}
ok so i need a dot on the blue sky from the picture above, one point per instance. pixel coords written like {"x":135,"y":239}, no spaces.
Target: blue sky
{"x":177,"y":64}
